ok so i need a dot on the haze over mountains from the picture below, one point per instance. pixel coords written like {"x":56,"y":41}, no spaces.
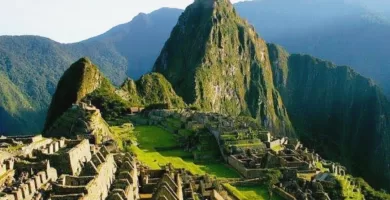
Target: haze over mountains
{"x":344,"y":33}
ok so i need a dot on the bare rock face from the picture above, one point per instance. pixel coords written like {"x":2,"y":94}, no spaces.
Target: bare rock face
{"x":81,"y":79}
{"x":215,"y":60}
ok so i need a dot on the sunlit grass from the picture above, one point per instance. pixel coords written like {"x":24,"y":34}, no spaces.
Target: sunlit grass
{"x":157,"y":147}
{"x":347,"y":188}
{"x":277,"y":148}
{"x":250,"y":192}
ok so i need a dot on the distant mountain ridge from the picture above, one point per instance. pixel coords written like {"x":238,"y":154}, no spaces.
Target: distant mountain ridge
{"x":34,"y":64}
{"x":343,"y":32}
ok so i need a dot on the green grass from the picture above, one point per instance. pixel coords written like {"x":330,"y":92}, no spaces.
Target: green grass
{"x":185,"y":132}
{"x":250,"y":192}
{"x":278,"y":148}
{"x":306,"y":176}
{"x":151,"y":138}
{"x":347,"y":188}
{"x":248,"y":145}
{"x":174,"y":123}
{"x":123,"y":133}
{"x":322,"y":168}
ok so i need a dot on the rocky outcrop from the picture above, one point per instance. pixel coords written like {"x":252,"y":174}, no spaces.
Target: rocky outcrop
{"x":341,"y":114}
{"x":215,"y":60}
{"x":81,"y":79}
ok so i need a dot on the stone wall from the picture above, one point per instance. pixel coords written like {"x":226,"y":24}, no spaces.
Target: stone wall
{"x":165,"y":192}
{"x":27,"y":139}
{"x":52,"y":148}
{"x":28,"y":149}
{"x":78,"y":155}
{"x":99,"y":187}
{"x":126,"y":183}
{"x":279,"y":191}
{"x":5,"y":166}
{"x":236,"y":164}
{"x":93,"y":187}
{"x":247,"y":173}
{"x":27,"y":190}
{"x":216,"y":196}
{"x":273,"y":144}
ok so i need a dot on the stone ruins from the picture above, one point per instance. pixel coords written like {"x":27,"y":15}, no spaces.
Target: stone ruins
{"x":64,"y":169}
{"x":88,"y":166}
{"x":252,"y":152}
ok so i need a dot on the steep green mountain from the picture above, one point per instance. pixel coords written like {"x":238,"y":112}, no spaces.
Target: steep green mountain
{"x":83,"y":82}
{"x":81,"y":79}
{"x":341,"y":31}
{"x":151,"y":89}
{"x":35,"y":64}
{"x":336,"y":111}
{"x":216,"y":61}
{"x":13,"y":106}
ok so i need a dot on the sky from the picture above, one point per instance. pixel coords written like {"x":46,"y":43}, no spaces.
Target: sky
{"x":69,"y":21}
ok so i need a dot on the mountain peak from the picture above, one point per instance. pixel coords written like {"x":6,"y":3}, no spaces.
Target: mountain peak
{"x":216,"y":61}
{"x":211,"y":3}
{"x":81,"y":79}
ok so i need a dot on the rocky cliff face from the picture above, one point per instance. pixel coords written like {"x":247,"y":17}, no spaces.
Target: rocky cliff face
{"x":215,"y":60}
{"x":81,"y":79}
{"x":151,"y":88}
{"x":342,"y":114}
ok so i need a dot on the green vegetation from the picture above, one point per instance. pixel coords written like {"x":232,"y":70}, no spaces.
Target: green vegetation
{"x":342,"y":102}
{"x":221,"y":66}
{"x":81,"y":79}
{"x":369,"y":192}
{"x":349,"y":191}
{"x":15,"y":108}
{"x":250,"y":192}
{"x":35,"y":64}
{"x":108,"y":102}
{"x":154,"y":89}
{"x":157,"y":147}
{"x":277,"y":148}
{"x":14,"y":148}
{"x":122,"y":134}
{"x":151,"y":89}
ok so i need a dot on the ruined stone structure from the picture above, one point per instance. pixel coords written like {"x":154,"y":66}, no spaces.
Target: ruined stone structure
{"x":176,"y":184}
{"x":32,"y":177}
{"x":252,"y":152}
{"x":79,"y":170}
{"x":81,"y":119}
{"x":94,"y":181}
